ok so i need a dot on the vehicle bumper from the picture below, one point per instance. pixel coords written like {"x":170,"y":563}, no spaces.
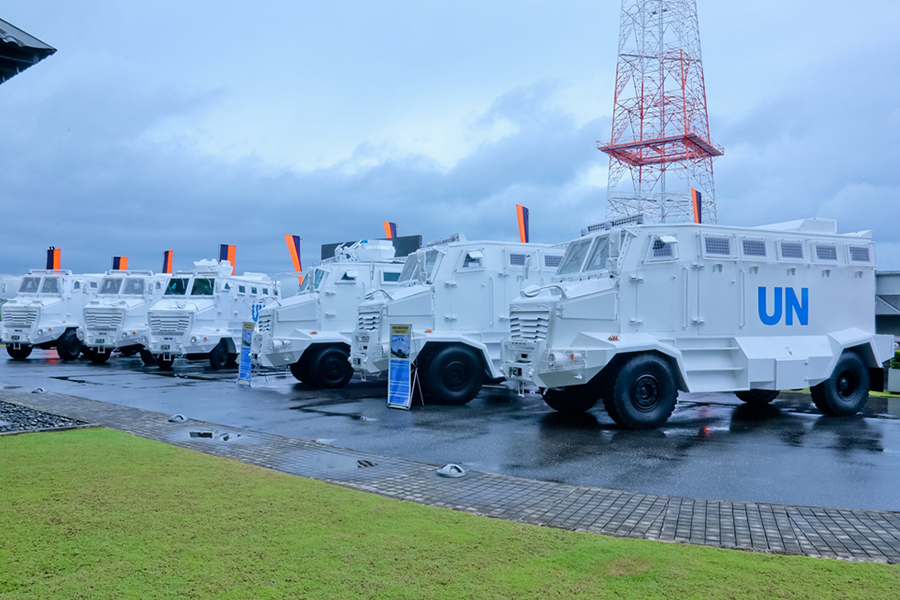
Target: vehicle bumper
{"x":30,"y":336}
{"x":369,"y":356}
{"x":532,"y":363}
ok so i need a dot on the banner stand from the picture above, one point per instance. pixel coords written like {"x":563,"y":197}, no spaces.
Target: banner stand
{"x":245,"y":372}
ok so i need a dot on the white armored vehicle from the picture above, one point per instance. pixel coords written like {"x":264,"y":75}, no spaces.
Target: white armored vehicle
{"x":117,"y":316}
{"x":201,"y":313}
{"x":311,"y":332}
{"x":456,"y":297}
{"x":46,"y":313}
{"x":637,"y":313}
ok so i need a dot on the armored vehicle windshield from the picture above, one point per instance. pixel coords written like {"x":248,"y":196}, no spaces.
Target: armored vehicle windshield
{"x":177,"y":287}
{"x":415,"y":270}
{"x":51,"y":286}
{"x":30,"y":285}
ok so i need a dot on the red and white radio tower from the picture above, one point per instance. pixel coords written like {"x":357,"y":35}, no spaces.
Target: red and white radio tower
{"x":660,"y":124}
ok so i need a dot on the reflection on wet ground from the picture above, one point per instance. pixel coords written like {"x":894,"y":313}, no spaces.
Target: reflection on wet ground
{"x":714,"y":446}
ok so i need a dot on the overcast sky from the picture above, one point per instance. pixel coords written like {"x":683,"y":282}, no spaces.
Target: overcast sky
{"x":171,"y":125}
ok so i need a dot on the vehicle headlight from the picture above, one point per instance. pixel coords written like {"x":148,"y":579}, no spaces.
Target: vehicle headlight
{"x":79,"y":333}
{"x":193,"y":339}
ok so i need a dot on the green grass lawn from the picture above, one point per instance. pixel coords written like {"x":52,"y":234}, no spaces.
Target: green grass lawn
{"x":97,"y":513}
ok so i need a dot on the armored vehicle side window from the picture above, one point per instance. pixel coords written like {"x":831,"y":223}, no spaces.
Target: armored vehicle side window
{"x":76,"y":285}
{"x":266,"y":291}
{"x":432,"y":260}
{"x":859,"y":254}
{"x":176,"y":287}
{"x":717,"y":246}
{"x":754,"y":248}
{"x":133,"y":286}
{"x":243,"y":289}
{"x":551,"y":261}
{"x":51,"y":285}
{"x":574,"y":257}
{"x":517,"y":259}
{"x":661,"y":249}
{"x":388,"y":277}
{"x":203,"y":287}
{"x":791,"y":250}
{"x":30,"y":285}
{"x":599,"y":255}
{"x":474,"y":259}
{"x":110,"y":285}
{"x":826,"y":252}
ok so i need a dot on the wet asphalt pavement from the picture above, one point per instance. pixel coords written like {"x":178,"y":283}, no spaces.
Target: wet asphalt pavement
{"x":713,"y":447}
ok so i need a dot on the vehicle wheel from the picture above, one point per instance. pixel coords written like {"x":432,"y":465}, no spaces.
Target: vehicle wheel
{"x":68,"y":346}
{"x":218,"y":358}
{"x":21,"y":353}
{"x":330,"y":368}
{"x":453,"y":375}
{"x":164,"y":364}
{"x":147,"y":358}
{"x":846,"y":391}
{"x":644,"y":392}
{"x":99,"y":357}
{"x":757,"y":397}
{"x":611,"y":410}
{"x":570,"y":400}
{"x":300,"y":370}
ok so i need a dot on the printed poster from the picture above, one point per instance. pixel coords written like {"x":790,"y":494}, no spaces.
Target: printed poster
{"x":245,"y":370}
{"x":399,"y":395}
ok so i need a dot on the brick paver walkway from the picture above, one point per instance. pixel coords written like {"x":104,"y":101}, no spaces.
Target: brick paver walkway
{"x":825,"y":532}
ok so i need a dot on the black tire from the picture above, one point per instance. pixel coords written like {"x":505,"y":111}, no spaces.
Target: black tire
{"x":570,"y":400}
{"x":20,"y":353}
{"x":218,"y":358}
{"x":644,"y":392}
{"x":99,"y":357}
{"x":147,"y":358}
{"x":68,"y":346}
{"x":757,"y":397}
{"x":611,"y":410}
{"x":329,"y":368}
{"x":164,"y":363}
{"x":453,"y":375}
{"x":300,"y":370}
{"x":846,"y":391}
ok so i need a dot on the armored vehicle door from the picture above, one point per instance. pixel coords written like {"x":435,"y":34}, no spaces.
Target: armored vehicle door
{"x":469,"y":292}
{"x":719,"y":284}
{"x":657,"y":279}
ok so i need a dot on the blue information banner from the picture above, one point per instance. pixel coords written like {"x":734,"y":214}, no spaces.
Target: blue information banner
{"x":399,"y":395}
{"x":246,"y":367}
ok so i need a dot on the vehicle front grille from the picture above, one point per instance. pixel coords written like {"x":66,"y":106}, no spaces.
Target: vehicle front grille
{"x":530,"y":326}
{"x":265,"y":322}
{"x":368,"y":321}
{"x":169,"y":322}
{"x":103,"y":318}
{"x":19,"y":316}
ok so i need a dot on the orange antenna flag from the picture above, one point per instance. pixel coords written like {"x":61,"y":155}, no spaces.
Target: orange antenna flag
{"x":54,"y":258}
{"x":228,"y":252}
{"x":522,"y":213}
{"x":293,"y":243}
{"x":167,"y":262}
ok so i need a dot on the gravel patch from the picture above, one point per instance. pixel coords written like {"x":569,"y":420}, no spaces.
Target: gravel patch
{"x":15,"y":418}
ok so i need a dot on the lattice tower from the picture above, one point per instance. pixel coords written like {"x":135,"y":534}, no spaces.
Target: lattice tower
{"x":660,"y":122}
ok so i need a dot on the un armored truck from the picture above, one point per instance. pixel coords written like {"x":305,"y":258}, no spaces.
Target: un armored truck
{"x":201,"y":313}
{"x":455,"y":294}
{"x":46,"y":313}
{"x":311,"y":332}
{"x":117,"y":317}
{"x":637,"y":313}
